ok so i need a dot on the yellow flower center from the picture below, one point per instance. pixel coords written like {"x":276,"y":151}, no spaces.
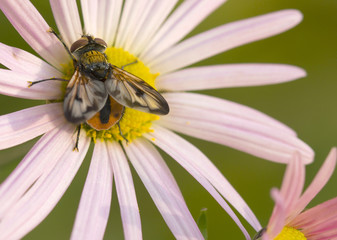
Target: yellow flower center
{"x":289,"y":233}
{"x":133,"y":123}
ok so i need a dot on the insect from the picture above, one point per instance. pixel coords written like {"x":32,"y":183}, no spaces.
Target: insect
{"x":98,"y":91}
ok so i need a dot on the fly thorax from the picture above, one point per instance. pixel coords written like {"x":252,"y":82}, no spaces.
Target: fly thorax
{"x":94,"y":64}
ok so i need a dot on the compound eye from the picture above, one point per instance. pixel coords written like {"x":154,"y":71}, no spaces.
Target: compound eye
{"x":78,"y":44}
{"x":100,"y":42}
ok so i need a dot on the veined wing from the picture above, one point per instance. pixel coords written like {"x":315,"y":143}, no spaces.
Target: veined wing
{"x":133,"y":92}
{"x":84,"y":97}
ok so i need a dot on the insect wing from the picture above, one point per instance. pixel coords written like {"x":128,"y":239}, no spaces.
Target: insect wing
{"x":84,"y":98}
{"x":135,"y":93}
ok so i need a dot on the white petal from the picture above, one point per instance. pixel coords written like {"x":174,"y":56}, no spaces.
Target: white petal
{"x":16,"y":85}
{"x":34,"y":29}
{"x":42,"y":197}
{"x":34,"y":164}
{"x":93,"y":211}
{"x":133,"y":13}
{"x":230,"y":124}
{"x":21,"y":126}
{"x":67,"y":20}
{"x":228,"y":75}
{"x":202,"y":169}
{"x":89,"y":12}
{"x":137,"y":13}
{"x":156,"y":15}
{"x":223,"y":38}
{"x":125,"y":192}
{"x":163,"y":189}
{"x":24,"y":62}
{"x":109,"y":14}
{"x":183,"y":20}
{"x":101,"y":18}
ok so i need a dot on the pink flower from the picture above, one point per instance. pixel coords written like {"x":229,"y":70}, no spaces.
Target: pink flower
{"x":289,"y":219}
{"x":148,"y":31}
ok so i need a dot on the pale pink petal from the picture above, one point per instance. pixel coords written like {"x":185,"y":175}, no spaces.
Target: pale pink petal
{"x":21,"y":126}
{"x":277,"y":220}
{"x":93,"y":211}
{"x":145,"y":31}
{"x":90,"y":18}
{"x":223,"y":38}
{"x":67,"y":20}
{"x":318,"y":217}
{"x":134,"y":16}
{"x":293,"y":182}
{"x":318,"y":183}
{"x":125,"y":192}
{"x":194,"y":100}
{"x":183,"y":20}
{"x":42,"y":197}
{"x":202,"y":169}
{"x":33,"y":28}
{"x":289,"y":176}
{"x":233,"y":125}
{"x":24,"y":62}
{"x":101,"y":18}
{"x":34,"y":164}
{"x":327,"y":231}
{"x":228,"y":75}
{"x":163,"y":189}
{"x":134,"y":12}
{"x":266,"y":237}
{"x":324,"y":231}
{"x":16,"y":85}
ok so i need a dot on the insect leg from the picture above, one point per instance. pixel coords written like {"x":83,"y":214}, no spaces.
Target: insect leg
{"x":77,"y":138}
{"x":44,"y":80}
{"x":259,"y":234}
{"x":120,"y":133}
{"x":128,"y":64}
{"x":63,"y":43}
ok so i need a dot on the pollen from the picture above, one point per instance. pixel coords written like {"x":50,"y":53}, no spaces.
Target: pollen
{"x":289,"y":233}
{"x":133,"y":123}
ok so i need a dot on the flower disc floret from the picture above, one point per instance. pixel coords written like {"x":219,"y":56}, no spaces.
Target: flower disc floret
{"x":289,"y":233}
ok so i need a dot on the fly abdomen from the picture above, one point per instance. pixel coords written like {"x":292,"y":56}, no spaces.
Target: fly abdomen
{"x":108,"y":116}
{"x":104,"y":114}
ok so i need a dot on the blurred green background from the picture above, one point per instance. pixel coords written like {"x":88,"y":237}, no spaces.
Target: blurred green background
{"x":308,"y":105}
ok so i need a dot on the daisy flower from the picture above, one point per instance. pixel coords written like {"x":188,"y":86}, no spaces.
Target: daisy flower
{"x":151,"y":32}
{"x":289,"y":220}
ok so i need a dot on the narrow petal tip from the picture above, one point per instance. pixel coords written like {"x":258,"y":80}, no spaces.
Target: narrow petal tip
{"x":333,"y":152}
{"x":297,"y":72}
{"x":332,"y":156}
{"x":309,"y":157}
{"x":294,"y":15}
